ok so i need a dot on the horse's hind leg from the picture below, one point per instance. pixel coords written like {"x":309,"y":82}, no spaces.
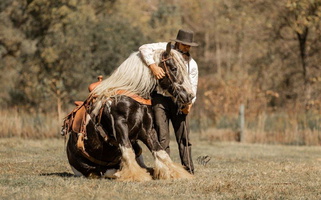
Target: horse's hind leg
{"x":139,"y":156}
{"x":165,"y":168}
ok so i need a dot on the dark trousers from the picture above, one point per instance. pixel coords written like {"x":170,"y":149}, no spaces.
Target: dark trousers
{"x":166,"y":110}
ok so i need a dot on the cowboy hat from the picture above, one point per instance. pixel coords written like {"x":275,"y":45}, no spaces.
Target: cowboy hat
{"x":185,"y":37}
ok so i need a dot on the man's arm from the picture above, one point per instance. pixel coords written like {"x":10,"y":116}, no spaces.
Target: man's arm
{"x":193,"y":75}
{"x":147,"y":51}
{"x":157,"y":71}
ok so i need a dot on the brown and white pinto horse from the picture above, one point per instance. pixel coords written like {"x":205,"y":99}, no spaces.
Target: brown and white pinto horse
{"x":115,"y":120}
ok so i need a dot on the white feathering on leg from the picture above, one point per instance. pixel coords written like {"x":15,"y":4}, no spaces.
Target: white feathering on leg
{"x":110,"y":173}
{"x":130,"y":170}
{"x":165,"y":168}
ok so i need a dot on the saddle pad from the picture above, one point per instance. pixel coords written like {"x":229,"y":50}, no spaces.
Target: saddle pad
{"x":135,"y":97}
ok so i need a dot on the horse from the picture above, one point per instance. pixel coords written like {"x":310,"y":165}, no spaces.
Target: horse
{"x":118,"y":113}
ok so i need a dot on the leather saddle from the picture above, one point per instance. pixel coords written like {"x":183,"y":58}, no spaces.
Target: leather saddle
{"x":75,"y":120}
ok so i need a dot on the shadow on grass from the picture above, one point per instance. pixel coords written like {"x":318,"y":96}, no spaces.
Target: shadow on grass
{"x":61,"y":174}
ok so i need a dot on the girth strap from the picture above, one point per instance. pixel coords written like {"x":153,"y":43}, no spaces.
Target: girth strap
{"x":81,"y":149}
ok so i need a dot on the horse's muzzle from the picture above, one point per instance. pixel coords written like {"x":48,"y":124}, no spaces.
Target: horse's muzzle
{"x":185,"y":97}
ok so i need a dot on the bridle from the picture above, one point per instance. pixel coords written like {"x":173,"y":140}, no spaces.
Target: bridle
{"x":168,"y":73}
{"x":166,"y":68}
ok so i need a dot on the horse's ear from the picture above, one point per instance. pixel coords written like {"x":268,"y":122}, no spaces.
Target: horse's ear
{"x":168,"y":48}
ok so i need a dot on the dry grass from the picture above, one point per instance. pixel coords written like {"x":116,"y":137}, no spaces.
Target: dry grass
{"x":19,"y":123}
{"x":38,"y":169}
{"x":273,"y":128}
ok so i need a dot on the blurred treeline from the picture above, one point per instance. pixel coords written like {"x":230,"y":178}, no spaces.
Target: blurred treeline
{"x":264,"y":54}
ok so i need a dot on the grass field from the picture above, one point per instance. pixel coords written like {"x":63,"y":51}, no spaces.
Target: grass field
{"x":38,"y":169}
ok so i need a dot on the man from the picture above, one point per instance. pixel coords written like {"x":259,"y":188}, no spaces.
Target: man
{"x":164,"y":107}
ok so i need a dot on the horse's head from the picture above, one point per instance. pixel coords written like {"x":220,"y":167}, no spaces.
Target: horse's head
{"x":176,"y":82}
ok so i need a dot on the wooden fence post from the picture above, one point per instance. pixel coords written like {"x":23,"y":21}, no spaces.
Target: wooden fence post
{"x":242,"y":122}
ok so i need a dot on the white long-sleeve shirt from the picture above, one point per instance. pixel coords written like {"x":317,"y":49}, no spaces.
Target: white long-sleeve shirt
{"x":147,"y":51}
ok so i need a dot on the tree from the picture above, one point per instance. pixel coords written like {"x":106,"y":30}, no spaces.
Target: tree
{"x":75,"y":41}
{"x":300,"y":28}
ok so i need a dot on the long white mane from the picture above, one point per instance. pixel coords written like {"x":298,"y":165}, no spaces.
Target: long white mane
{"x":134,"y":76}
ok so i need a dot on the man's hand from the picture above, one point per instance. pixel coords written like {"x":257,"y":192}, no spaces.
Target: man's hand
{"x":157,"y":71}
{"x":186,"y":109}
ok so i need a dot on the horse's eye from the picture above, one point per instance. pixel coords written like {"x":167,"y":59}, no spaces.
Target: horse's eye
{"x":174,"y":69}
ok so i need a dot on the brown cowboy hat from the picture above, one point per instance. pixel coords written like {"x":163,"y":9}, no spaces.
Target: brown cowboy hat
{"x":185,"y":37}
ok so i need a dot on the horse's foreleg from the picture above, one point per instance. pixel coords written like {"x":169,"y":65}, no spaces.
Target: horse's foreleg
{"x":129,"y":169}
{"x":165,"y":168}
